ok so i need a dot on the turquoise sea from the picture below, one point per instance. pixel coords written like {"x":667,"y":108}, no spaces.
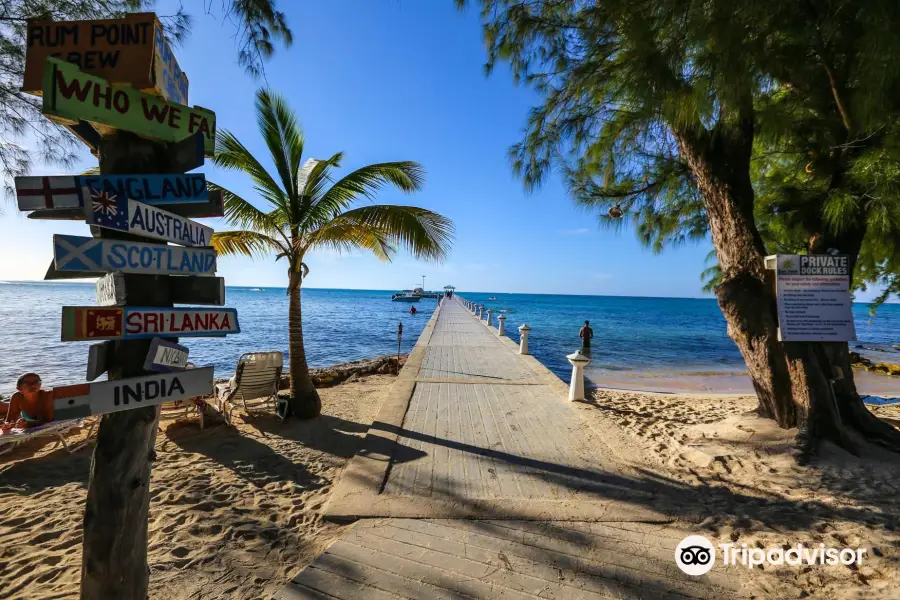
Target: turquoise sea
{"x":645,"y":335}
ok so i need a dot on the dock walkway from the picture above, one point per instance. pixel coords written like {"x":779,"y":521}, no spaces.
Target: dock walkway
{"x":479,"y":480}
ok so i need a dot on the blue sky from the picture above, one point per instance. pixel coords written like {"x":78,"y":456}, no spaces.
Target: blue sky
{"x":402,"y":80}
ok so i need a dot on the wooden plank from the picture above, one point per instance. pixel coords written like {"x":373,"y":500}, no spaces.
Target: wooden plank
{"x":81,"y":323}
{"x":168,"y":78}
{"x":114,"y":289}
{"x":165,"y":356}
{"x":213,"y":207}
{"x":76,"y":401}
{"x":96,"y":365}
{"x":71,"y":96}
{"x":187,"y":154}
{"x":113,"y":211}
{"x":89,"y":257}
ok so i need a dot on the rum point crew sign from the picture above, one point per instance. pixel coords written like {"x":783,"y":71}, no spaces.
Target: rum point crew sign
{"x":814,"y":303}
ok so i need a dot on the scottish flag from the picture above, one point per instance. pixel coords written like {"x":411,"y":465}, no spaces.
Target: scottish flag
{"x":108,"y":209}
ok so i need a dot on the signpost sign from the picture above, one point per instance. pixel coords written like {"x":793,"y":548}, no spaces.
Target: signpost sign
{"x":131,"y":50}
{"x":115,"y":211}
{"x":97,"y":354}
{"x":71,"y":96}
{"x":90,"y":257}
{"x":166,"y":356}
{"x":113,"y":291}
{"x":83,"y":400}
{"x":813,"y":292}
{"x":129,"y":323}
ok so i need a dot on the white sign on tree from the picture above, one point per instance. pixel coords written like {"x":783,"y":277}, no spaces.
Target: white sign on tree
{"x":814,"y":303}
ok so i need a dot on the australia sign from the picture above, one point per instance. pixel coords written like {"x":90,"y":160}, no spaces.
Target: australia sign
{"x":115,"y":211}
{"x":90,"y":257}
{"x":86,"y":399}
{"x":71,"y":96}
{"x":81,"y":323}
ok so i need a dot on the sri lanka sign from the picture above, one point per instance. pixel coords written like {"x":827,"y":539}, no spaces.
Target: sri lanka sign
{"x":90,"y":257}
{"x":132,"y":50}
{"x":115,"y":211}
{"x":71,"y":96}
{"x":81,"y":323}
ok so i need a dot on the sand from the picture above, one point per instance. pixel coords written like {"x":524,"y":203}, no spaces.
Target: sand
{"x":734,"y":477}
{"x":232,"y":513}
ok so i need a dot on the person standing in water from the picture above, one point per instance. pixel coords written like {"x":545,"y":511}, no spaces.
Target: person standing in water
{"x":412,"y":310}
{"x":586,"y":334}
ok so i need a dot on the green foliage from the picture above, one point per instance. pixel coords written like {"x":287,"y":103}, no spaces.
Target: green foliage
{"x":308,"y":208}
{"x":258,"y":27}
{"x":628,"y":86}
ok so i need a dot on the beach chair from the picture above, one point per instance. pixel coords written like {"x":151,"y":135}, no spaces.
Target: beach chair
{"x":178,"y":409}
{"x":58,"y":429}
{"x":255,"y":383}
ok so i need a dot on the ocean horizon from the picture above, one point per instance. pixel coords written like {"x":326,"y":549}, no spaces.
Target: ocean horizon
{"x":634,"y":335}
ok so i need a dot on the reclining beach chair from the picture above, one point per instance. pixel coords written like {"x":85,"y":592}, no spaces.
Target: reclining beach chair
{"x":177,"y":409}
{"x":57,"y":429}
{"x":255,"y":383}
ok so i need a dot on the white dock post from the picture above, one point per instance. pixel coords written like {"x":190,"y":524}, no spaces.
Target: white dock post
{"x":488,"y":322}
{"x":500,"y":320}
{"x":578,"y":361}
{"x":524,"y":330}
{"x":480,"y":312}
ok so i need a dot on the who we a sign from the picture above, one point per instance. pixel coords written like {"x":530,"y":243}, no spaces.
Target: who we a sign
{"x":71,"y":96}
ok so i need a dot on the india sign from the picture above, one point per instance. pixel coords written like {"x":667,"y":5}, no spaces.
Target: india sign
{"x":90,"y":257}
{"x":114,"y":211}
{"x":86,"y":399}
{"x":71,"y":96}
{"x":81,"y":323}
{"x":131,"y":50}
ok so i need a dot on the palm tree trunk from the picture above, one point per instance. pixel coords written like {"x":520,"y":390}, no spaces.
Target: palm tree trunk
{"x":305,"y":401}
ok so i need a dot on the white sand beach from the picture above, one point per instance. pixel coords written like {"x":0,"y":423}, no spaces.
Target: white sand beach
{"x":233,"y":510}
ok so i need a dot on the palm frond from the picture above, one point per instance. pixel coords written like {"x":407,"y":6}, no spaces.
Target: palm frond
{"x":245,"y":243}
{"x":408,"y":176}
{"x":283,"y":135}
{"x":345,"y":235}
{"x":424,"y":234}
{"x":232,"y":154}
{"x":240,"y":213}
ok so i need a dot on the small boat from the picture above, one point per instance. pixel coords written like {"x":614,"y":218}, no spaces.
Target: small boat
{"x":405,"y":296}
{"x":492,"y":298}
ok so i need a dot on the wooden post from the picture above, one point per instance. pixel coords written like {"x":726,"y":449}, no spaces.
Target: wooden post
{"x":114,"y":560}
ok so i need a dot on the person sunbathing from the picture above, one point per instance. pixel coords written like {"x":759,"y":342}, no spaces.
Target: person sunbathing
{"x":30,"y":406}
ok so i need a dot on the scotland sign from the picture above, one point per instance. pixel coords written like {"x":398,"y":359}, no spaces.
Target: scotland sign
{"x":90,"y":257}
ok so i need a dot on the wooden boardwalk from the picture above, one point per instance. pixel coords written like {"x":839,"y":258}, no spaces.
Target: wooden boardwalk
{"x":478,"y":480}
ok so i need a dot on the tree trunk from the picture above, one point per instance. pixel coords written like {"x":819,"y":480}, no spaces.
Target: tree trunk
{"x":305,"y":401}
{"x":796,"y":383}
{"x":114,"y":556}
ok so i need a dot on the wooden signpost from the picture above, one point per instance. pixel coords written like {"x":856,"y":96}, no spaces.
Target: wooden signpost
{"x":80,"y":323}
{"x":118,"y":212}
{"x":165,"y":356}
{"x":113,"y":291}
{"x":90,"y":257}
{"x":99,"y":99}
{"x":131,"y":50}
{"x":83,"y":400}
{"x":71,"y":96}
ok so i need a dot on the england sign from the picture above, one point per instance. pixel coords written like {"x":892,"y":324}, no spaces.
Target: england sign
{"x":90,"y":257}
{"x":813,"y":297}
{"x":86,"y":399}
{"x":112,"y":290}
{"x":131,"y":50}
{"x":165,"y":356}
{"x":115,"y":211}
{"x":81,"y":323}
{"x":34,"y":193}
{"x":71,"y":96}
{"x":69,"y":191}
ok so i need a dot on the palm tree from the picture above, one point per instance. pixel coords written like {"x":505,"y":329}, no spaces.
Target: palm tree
{"x":308,"y":209}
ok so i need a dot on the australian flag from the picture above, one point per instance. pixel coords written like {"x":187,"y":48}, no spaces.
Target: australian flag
{"x":109,"y":209}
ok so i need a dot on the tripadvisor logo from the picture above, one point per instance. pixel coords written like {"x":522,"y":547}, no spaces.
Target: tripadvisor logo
{"x":695,"y":555}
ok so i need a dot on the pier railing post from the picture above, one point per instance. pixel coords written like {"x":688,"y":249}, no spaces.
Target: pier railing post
{"x":488,"y":322}
{"x":578,"y":361}
{"x":524,"y":330}
{"x":500,"y":330}
{"x":481,"y":312}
